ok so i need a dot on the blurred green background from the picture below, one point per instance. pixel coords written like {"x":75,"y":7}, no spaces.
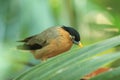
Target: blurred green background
{"x":95,"y":20}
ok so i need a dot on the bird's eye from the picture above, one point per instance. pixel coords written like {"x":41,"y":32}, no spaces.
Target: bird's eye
{"x":73,"y":37}
{"x":70,"y":36}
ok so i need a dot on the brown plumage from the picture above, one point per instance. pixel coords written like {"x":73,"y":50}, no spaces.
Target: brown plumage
{"x":51,"y":42}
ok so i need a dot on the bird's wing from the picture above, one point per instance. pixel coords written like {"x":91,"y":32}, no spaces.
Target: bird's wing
{"x":31,"y":43}
{"x":40,"y":40}
{"x":26,"y":39}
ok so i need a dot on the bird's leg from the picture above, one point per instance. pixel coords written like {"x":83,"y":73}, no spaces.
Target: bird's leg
{"x":44,"y":59}
{"x":33,"y":51}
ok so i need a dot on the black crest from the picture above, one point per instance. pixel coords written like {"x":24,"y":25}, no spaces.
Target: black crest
{"x":72,"y":32}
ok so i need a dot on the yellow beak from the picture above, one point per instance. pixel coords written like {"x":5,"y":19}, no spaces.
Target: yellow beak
{"x":80,"y":44}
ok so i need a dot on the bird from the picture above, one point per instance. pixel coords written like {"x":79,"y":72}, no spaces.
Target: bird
{"x":51,"y":42}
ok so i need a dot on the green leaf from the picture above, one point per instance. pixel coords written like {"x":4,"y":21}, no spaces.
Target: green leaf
{"x":109,"y":75}
{"x":73,"y":65}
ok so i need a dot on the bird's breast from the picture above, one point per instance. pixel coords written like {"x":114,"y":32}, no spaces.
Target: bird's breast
{"x":65,"y":39}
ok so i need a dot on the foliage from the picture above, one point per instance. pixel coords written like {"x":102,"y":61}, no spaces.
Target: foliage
{"x":110,"y":75}
{"x":75,"y":64}
{"x":95,"y":20}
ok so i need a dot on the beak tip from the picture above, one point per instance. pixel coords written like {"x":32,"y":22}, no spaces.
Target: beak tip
{"x":80,"y":44}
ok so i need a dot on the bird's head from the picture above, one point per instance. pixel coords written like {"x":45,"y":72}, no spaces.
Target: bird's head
{"x":75,"y":36}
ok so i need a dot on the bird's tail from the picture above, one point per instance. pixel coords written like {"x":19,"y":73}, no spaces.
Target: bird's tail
{"x":29,"y":47}
{"x":24,"y":47}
